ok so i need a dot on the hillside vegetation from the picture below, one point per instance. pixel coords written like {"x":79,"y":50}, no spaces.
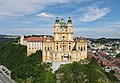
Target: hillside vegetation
{"x":32,"y":70}
{"x":25,"y":69}
{"x":83,"y":73}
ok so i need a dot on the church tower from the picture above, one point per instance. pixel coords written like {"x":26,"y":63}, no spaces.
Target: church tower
{"x":63,"y":35}
{"x":62,"y":48}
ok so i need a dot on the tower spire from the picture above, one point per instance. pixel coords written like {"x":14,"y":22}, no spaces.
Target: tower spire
{"x":57,"y":19}
{"x":69,"y":19}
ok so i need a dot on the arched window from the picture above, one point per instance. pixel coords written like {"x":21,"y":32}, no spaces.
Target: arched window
{"x":78,"y":48}
{"x":69,"y":47}
{"x":69,"y":36}
{"x":63,"y":47}
{"x":84,"y":48}
{"x":81,"y":49}
{"x":56,"y":36}
{"x":69,"y":29}
{"x":56,"y":29}
{"x":57,"y":47}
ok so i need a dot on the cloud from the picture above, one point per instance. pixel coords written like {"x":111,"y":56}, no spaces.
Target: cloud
{"x":93,"y":13}
{"x":10,"y":8}
{"x":45,"y":15}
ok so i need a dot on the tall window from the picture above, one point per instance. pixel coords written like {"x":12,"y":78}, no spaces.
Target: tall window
{"x":69,"y":36}
{"x":57,"y":47}
{"x":84,"y":48}
{"x":50,"y":47}
{"x":56,"y":36}
{"x":81,"y":48}
{"x":63,"y":47}
{"x":56,"y":29}
{"x":69,"y":47}
{"x":78,"y":48}
{"x":69,"y":29}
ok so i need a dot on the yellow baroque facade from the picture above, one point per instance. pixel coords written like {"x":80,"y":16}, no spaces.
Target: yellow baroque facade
{"x":62,"y":47}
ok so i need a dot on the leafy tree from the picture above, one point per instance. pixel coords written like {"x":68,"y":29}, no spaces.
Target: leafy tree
{"x":118,"y":55}
{"x":25,"y":69}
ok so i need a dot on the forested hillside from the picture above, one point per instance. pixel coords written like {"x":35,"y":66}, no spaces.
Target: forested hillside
{"x":83,"y":73}
{"x":32,"y":70}
{"x":25,"y":69}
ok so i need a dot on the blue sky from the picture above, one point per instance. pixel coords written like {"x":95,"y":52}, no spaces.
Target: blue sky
{"x":91,"y":18}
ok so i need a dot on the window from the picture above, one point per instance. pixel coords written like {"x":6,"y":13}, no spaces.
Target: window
{"x":55,"y":58}
{"x":57,"y":47}
{"x":81,"y":49}
{"x":76,"y":55}
{"x":69,"y":29}
{"x":38,"y":44}
{"x":55,"y":55}
{"x":57,"y":29}
{"x":78,"y":48}
{"x":69,"y":36}
{"x":63,"y":47}
{"x":56,"y":36}
{"x":69,"y":47}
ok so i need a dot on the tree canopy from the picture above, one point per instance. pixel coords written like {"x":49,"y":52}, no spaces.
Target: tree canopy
{"x":32,"y":70}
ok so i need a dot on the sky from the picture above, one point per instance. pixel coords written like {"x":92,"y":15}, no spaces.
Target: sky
{"x":91,"y":18}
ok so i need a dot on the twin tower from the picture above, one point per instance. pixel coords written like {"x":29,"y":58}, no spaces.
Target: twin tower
{"x":63,"y":35}
{"x":62,"y":47}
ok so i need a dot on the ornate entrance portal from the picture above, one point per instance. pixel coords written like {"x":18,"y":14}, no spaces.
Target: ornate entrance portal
{"x":66,"y":57}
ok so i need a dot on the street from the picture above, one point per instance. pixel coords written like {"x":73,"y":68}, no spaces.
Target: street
{"x":4,"y":79}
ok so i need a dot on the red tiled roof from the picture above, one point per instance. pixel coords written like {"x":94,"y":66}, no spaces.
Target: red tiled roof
{"x":103,"y":54}
{"x":93,"y":55}
{"x":38,"y":39}
{"x":34,"y":39}
{"x":107,"y":63}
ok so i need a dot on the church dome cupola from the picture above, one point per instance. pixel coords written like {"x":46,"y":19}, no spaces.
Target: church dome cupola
{"x":69,"y":20}
{"x":57,"y":20}
{"x":62,"y":23}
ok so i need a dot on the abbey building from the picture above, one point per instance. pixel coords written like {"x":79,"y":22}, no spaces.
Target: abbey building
{"x":62,"y":47}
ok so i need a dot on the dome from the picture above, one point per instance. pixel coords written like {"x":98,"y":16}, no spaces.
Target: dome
{"x":62,"y":23}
